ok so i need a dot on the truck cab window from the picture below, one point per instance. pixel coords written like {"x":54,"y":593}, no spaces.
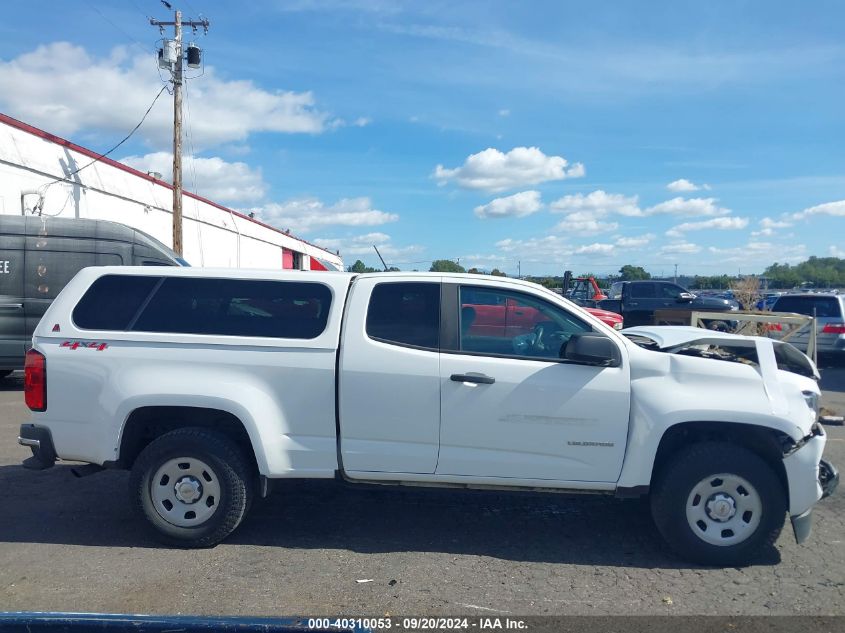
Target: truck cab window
{"x":406,"y":314}
{"x":642,"y":291}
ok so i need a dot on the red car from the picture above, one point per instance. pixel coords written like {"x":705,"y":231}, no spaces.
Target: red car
{"x":612,"y":319}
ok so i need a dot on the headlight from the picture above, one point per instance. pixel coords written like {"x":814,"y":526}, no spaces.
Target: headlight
{"x":617,"y":326}
{"x":812,"y":400}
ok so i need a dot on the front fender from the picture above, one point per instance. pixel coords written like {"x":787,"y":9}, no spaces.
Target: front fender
{"x":670,"y":389}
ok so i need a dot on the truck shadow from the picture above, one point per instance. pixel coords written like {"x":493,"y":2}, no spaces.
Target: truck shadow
{"x":55,"y":507}
{"x":12,"y":382}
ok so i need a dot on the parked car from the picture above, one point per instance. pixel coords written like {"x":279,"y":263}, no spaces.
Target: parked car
{"x":829,"y":310}
{"x":39,"y":255}
{"x":768,"y":301}
{"x":211,"y":384}
{"x":637,"y":302}
{"x":614,"y":320}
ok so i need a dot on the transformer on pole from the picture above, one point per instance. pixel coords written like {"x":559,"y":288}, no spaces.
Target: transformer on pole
{"x":171,"y":57}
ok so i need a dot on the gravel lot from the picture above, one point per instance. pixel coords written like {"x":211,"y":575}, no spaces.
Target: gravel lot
{"x":73,"y":544}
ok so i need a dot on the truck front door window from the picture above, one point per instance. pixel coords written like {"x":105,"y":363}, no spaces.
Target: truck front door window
{"x":494,"y":321}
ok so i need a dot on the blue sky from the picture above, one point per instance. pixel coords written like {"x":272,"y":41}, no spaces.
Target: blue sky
{"x":556,"y":134}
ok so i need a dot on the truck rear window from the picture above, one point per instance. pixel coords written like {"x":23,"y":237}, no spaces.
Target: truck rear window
{"x":112,"y":302}
{"x":237,"y":307}
{"x":225,"y":307}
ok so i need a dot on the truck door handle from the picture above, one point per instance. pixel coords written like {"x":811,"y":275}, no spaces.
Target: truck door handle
{"x":11,"y":305}
{"x":476,"y":378}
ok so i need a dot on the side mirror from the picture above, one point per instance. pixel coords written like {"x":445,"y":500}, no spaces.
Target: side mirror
{"x":685,"y":297}
{"x":591,"y":348}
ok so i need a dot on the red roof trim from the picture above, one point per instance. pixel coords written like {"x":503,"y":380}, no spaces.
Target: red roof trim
{"x":20,"y":125}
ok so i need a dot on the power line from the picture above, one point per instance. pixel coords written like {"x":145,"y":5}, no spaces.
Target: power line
{"x":102,"y":156}
{"x":146,"y":49}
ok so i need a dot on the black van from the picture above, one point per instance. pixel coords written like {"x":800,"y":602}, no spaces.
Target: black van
{"x":39,"y":255}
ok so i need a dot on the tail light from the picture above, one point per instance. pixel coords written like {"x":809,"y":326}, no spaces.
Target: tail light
{"x":834,"y":328}
{"x":35,"y":381}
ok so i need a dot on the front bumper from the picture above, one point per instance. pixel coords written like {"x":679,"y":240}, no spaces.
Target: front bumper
{"x":810,"y":479}
{"x":39,"y":440}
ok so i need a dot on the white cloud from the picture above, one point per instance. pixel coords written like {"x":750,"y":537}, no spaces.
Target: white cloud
{"x":491,"y":170}
{"x":759,"y":254}
{"x":599,"y":203}
{"x":828,"y":208}
{"x":302,"y":215}
{"x":362,"y":245}
{"x":769,"y":223}
{"x":518,"y":205}
{"x":684,"y":185}
{"x":595,"y":249}
{"x":634,"y":242}
{"x":216,"y":179}
{"x":551,"y":249}
{"x":584,"y":212}
{"x":63,"y":88}
{"x":504,"y":112}
{"x":768,"y":227}
{"x":688,"y":206}
{"x":835,"y":251}
{"x":722,"y":224}
{"x":680,"y":248}
{"x":583,"y":223}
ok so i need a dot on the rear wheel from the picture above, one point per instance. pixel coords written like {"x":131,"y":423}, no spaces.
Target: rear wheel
{"x":717,"y":503}
{"x":193,"y":486}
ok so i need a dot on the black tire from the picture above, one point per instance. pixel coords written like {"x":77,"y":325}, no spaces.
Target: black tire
{"x":229,"y":471}
{"x":688,"y":469}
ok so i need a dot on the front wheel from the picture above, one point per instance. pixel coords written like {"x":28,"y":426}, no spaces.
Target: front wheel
{"x":193,"y":486}
{"x":717,"y":503}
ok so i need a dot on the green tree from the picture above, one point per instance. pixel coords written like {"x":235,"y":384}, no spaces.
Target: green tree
{"x":446,"y":266}
{"x":497,"y":273}
{"x":633,"y":273}
{"x":360,"y":267}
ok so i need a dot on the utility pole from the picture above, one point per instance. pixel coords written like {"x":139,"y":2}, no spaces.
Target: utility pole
{"x":171,"y":56}
{"x":675,"y":280}
{"x":519,"y":269}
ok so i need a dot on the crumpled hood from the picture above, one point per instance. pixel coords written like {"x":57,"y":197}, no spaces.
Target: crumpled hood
{"x":694,"y":355}
{"x":672,"y":335}
{"x":668,"y":337}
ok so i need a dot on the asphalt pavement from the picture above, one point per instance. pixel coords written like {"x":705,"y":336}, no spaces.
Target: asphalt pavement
{"x":319,"y":548}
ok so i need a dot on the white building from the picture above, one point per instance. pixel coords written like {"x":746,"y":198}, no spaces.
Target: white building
{"x":212,"y":235}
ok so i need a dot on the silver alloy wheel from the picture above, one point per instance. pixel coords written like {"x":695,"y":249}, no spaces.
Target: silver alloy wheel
{"x":185,"y":491}
{"x":724,"y":509}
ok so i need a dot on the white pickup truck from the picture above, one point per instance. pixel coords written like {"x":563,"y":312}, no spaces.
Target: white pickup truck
{"x":209,"y":384}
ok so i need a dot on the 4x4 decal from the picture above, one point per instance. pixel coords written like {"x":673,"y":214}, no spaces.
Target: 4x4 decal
{"x":88,"y":344}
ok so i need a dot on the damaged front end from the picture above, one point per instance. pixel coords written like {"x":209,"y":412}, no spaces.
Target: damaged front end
{"x":789,"y":399}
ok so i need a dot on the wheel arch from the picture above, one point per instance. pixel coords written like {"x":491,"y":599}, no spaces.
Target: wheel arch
{"x":147,"y":422}
{"x":768,"y":443}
